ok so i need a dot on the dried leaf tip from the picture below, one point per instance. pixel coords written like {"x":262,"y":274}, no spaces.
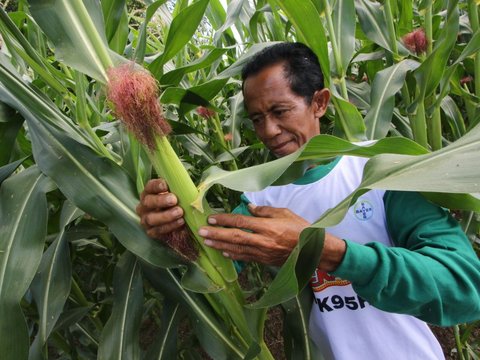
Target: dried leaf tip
{"x":133,"y":94}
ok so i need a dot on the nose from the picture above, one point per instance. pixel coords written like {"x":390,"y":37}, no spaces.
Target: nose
{"x":271,"y":127}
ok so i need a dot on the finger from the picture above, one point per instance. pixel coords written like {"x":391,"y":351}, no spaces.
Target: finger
{"x":159,"y":201}
{"x":232,"y":236}
{"x":159,"y":232}
{"x":161,"y":218}
{"x":269,"y":212}
{"x":156,"y":186}
{"x":254,"y":224}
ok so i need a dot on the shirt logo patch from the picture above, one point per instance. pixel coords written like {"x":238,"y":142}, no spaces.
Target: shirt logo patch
{"x":322,"y":280}
{"x":363,"y":210}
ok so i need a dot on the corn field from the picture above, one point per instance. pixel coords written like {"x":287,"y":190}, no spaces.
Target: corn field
{"x":79,"y":277}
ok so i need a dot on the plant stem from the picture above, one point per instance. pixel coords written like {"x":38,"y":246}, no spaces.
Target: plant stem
{"x":458,"y":342}
{"x":335,"y":49}
{"x":474,"y":23}
{"x":435,"y":129}
{"x":428,"y":27}
{"x":391,"y":27}
{"x":418,"y":124}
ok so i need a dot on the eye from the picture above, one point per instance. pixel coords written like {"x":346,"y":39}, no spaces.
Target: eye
{"x":256,"y":119}
{"x":279,"y":112}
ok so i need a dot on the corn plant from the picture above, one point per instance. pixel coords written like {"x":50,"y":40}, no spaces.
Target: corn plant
{"x":79,"y":278}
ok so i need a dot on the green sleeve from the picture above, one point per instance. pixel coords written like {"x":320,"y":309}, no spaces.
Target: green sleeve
{"x":431,"y":273}
{"x":241,"y":209}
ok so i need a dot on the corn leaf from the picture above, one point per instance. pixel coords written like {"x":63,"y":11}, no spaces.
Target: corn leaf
{"x":344,"y":29}
{"x":120,"y":336}
{"x":77,"y":30}
{"x":385,"y":85}
{"x":180,"y":32}
{"x":23,"y":227}
{"x":51,"y":285}
{"x":306,"y":20}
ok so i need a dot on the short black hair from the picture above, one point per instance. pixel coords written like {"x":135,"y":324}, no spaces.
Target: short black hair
{"x":302,"y":68}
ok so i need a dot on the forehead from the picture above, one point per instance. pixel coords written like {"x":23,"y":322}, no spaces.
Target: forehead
{"x":268,"y":86}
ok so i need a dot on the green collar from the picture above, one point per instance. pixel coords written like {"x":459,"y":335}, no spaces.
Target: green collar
{"x":318,"y":172}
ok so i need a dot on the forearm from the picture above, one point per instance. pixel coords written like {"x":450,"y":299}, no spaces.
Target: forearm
{"x":431,"y":273}
{"x":439,"y":286}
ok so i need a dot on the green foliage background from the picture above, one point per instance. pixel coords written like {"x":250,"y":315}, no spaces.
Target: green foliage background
{"x":79,"y":279}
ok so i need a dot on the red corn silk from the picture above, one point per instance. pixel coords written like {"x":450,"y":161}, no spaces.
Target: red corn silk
{"x":133,"y":94}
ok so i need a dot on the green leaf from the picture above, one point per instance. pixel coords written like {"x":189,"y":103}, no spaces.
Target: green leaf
{"x":297,"y":342}
{"x":77,"y":30}
{"x":372,"y":22}
{"x":320,"y":147}
{"x":7,"y":170}
{"x":348,"y":119}
{"x":23,"y":226}
{"x":385,"y":85}
{"x":142,"y":36}
{"x":112,"y":13}
{"x":181,"y":31}
{"x":449,"y":170}
{"x":233,"y":14}
{"x":51,"y":285}
{"x":120,"y":336}
{"x":306,"y":20}
{"x":175,"y":76}
{"x":430,"y":73}
{"x":344,"y":28}
{"x":295,"y":272}
{"x":165,"y":345}
{"x":211,"y":333}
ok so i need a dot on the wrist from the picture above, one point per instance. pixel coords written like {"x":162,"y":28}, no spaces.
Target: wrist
{"x":334,"y":250}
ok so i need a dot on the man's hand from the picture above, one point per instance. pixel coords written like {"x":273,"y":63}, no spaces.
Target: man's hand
{"x":158,"y":212}
{"x":268,"y":237}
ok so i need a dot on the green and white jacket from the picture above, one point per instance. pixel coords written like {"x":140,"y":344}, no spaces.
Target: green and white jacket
{"x":407,"y":260}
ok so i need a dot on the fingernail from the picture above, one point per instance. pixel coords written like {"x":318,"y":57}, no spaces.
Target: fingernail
{"x":208,"y":242}
{"x":180,"y":221}
{"x":177,"y":212}
{"x":170,"y":199}
{"x":203,"y":232}
{"x":212,"y":221}
{"x":226,"y":254}
{"x":251,"y":206}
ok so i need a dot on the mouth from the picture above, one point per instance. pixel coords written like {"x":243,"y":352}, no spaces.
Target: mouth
{"x":280,"y":148}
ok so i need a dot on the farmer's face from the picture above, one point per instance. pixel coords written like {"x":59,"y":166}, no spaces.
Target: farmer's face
{"x":282,"y":119}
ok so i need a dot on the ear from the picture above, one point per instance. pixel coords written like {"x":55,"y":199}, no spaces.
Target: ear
{"x":320,"y":102}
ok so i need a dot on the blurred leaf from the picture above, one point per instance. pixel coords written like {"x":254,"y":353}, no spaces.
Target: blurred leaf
{"x":180,"y":32}
{"x":233,"y":13}
{"x":175,"y":76}
{"x":142,"y":36}
{"x":23,"y":226}
{"x":120,"y":336}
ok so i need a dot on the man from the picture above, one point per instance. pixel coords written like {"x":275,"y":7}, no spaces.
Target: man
{"x":393,"y":260}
